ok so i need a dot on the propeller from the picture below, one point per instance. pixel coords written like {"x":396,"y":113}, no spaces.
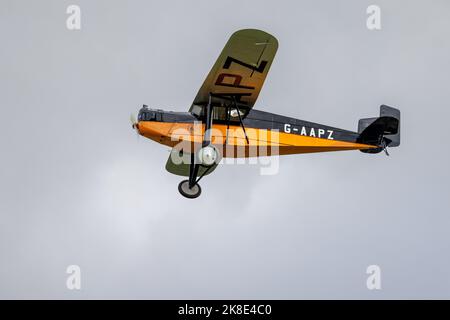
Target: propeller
{"x":134,"y":125}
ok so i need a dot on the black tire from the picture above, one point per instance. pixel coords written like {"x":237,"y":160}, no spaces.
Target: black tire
{"x":190,"y":193}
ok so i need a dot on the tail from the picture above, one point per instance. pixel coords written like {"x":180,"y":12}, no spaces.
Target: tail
{"x":383,"y":131}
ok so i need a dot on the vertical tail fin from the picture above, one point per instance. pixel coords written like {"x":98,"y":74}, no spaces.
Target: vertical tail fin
{"x":383,"y":131}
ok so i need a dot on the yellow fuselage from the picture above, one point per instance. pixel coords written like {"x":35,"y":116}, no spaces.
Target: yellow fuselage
{"x":261,"y":142}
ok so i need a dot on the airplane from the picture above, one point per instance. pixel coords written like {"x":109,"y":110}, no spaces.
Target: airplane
{"x":221,"y":121}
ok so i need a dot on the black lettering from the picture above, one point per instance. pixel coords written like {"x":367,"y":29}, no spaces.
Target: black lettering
{"x":259,"y":69}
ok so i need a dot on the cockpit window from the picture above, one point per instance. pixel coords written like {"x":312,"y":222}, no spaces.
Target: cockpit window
{"x":147,"y":116}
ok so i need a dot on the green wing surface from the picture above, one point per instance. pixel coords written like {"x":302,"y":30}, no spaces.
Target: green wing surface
{"x":239,"y":72}
{"x":182,"y":168}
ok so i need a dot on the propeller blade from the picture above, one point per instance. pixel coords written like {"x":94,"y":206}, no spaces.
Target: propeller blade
{"x":133,"y":119}
{"x":134,"y":125}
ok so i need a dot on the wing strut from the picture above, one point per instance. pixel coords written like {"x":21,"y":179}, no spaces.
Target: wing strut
{"x":193,"y":172}
{"x":227,"y":111}
{"x":208,"y":123}
{"x":240,"y":118}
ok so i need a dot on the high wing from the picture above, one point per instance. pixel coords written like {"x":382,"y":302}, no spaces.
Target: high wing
{"x":236,"y":78}
{"x":238,"y":73}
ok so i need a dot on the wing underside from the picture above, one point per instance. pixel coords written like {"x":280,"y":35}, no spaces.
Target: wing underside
{"x":235,"y":80}
{"x":180,"y":165}
{"x":238,"y":73}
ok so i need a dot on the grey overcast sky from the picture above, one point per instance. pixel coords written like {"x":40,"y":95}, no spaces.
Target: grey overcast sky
{"x":78,"y":187}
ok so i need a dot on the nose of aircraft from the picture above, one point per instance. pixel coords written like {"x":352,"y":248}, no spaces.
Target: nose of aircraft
{"x":134,"y":123}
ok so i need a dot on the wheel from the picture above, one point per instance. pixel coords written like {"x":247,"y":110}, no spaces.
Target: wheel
{"x":187,"y":192}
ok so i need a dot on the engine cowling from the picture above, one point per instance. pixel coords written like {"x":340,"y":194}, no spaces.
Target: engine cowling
{"x":208,"y":155}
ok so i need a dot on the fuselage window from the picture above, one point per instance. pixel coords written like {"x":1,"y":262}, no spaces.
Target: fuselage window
{"x":149,"y":116}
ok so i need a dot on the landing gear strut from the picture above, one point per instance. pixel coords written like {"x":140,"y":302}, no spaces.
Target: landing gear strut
{"x":190,"y":188}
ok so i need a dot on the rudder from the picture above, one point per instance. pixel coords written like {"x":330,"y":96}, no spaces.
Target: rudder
{"x":383,"y":131}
